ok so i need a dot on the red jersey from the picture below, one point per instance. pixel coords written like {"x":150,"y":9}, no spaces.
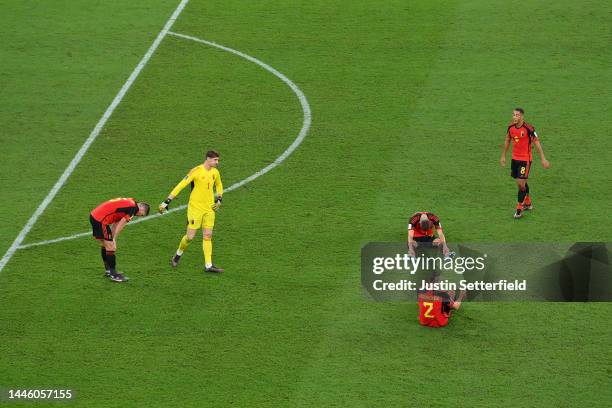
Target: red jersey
{"x":111,"y":211}
{"x":435,"y":307}
{"x":521,"y":138}
{"x":415,"y":225}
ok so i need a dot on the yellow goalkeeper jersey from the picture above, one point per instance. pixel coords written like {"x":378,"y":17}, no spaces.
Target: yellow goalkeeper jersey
{"x":202,"y":196}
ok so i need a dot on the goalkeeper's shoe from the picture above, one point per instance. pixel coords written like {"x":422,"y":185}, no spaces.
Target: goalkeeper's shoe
{"x":175,"y":261}
{"x":118,"y":277}
{"x":213,"y":269}
{"x":528,"y":206}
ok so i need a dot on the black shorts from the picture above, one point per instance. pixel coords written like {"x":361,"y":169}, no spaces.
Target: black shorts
{"x":100,"y":231}
{"x":520,"y":169}
{"x":425,"y":246}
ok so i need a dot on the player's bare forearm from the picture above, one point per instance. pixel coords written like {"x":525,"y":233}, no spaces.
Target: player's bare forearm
{"x":545,"y":162}
{"x":118,"y":227}
{"x":540,"y":149}
{"x":457,"y":303}
{"x":502,"y":160}
{"x":538,"y":146}
{"x":411,"y":242}
{"x":506,"y":146}
{"x":441,"y":236}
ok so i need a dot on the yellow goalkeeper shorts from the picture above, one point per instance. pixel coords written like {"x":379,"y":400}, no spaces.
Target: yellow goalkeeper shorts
{"x":197,"y":219}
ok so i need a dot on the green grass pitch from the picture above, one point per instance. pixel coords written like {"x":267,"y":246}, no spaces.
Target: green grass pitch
{"x":409,"y":106}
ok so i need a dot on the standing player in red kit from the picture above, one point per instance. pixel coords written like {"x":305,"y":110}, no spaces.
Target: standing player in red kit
{"x":522,"y":135}
{"x":436,"y":306}
{"x":107,"y":221}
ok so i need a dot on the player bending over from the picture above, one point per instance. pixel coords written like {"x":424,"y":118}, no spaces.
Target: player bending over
{"x":522,"y":135}
{"x":436,"y":306}
{"x":107,"y":221}
{"x":201,"y":208}
{"x":421,"y":231}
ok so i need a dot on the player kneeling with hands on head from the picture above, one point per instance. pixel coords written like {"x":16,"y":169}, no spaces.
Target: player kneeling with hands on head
{"x":107,"y":221}
{"x":201,"y":208}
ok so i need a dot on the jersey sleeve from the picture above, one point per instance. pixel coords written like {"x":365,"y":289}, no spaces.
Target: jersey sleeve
{"x":435,"y":220}
{"x":412,"y":222}
{"x":130,"y":213}
{"x":184,"y":182}
{"x":531,"y":131}
{"x":218,"y":183}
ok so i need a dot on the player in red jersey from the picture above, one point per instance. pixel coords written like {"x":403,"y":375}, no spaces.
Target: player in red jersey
{"x":107,"y":220}
{"x":421,"y":230}
{"x":522,"y":135}
{"x":436,"y":306}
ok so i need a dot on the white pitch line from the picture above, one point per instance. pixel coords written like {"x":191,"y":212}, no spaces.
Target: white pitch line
{"x":298,"y":140}
{"x":92,"y":136}
{"x":294,"y":88}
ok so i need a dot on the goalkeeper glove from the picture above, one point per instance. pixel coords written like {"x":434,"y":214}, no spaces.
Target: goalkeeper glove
{"x":218,"y":200}
{"x":163,"y":207}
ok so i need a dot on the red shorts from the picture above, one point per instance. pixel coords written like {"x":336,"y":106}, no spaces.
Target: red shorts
{"x":438,"y":321}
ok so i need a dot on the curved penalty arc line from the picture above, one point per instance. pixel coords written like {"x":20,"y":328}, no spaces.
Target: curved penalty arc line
{"x":298,"y":140}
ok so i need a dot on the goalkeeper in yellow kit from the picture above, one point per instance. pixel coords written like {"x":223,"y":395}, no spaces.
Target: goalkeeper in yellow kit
{"x":201,"y":208}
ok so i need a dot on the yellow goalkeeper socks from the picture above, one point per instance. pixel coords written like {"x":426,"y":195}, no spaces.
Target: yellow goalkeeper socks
{"x":183,"y":245}
{"x":207,"y":246}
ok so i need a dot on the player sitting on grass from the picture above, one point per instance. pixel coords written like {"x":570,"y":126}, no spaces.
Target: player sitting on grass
{"x":436,"y":306}
{"x":107,"y":221}
{"x":421,"y":232}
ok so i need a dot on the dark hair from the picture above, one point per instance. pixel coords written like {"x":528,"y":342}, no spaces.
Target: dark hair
{"x":146,"y":206}
{"x":212,"y":154}
{"x":434,"y":277}
{"x":520,"y":110}
{"x":425,"y":224}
